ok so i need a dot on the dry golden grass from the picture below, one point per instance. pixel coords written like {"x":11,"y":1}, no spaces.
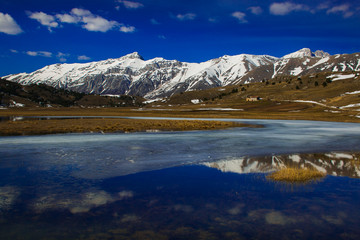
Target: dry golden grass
{"x":107,"y":125}
{"x":296,"y":175}
{"x":251,"y":110}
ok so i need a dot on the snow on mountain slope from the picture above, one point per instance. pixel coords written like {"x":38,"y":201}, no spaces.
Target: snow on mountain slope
{"x":305,"y":52}
{"x":158,"y":77}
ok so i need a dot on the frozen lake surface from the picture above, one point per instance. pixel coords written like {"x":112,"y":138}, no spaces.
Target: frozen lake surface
{"x":167,"y":185}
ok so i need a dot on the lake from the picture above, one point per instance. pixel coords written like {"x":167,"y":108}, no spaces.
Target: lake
{"x":182,"y":185}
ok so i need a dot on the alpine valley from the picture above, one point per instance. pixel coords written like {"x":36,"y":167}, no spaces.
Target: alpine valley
{"x":158,"y":77}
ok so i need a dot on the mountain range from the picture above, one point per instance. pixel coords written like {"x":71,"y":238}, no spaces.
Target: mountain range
{"x":158,"y":77}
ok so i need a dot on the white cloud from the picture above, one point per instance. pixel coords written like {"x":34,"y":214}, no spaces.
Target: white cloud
{"x":8,"y":25}
{"x":83,"y":58}
{"x":127,"y":29}
{"x":187,"y":16}
{"x":44,"y":19}
{"x":92,"y":22}
{"x":39,"y":53}
{"x":341,"y":9}
{"x":83,"y":17}
{"x":240,"y":16}
{"x":62,"y":56}
{"x":286,"y":8}
{"x":98,"y":24}
{"x":14,"y":51}
{"x":256,"y":10}
{"x":81,"y":12}
{"x":67,"y":18}
{"x":161,"y":37}
{"x":130,"y":4}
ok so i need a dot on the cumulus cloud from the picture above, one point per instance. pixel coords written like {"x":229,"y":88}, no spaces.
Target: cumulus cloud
{"x":89,"y":21}
{"x":98,"y":24}
{"x":286,"y":8}
{"x":187,"y":16}
{"x":127,"y":29}
{"x":79,"y":12}
{"x":256,"y":10}
{"x":67,"y":18}
{"x":131,"y":4}
{"x":8,"y":25}
{"x":83,"y":58}
{"x":343,"y":9}
{"x":83,"y":17}
{"x":240,"y":16}
{"x":44,"y":19}
{"x":39,"y":53}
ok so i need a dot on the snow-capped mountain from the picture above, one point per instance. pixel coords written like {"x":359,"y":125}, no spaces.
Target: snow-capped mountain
{"x":158,"y":77}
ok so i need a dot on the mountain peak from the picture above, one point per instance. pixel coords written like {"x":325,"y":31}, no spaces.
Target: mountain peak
{"x":134,"y":55}
{"x":306,"y":52}
{"x":321,"y":53}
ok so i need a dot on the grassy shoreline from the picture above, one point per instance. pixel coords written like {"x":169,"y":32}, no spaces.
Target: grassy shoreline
{"x":254,"y":110}
{"x":107,"y":125}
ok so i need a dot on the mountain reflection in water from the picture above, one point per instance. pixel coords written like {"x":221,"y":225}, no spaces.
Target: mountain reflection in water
{"x":336,"y":164}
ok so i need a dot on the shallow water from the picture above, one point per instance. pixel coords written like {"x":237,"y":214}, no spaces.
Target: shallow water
{"x":181,"y":185}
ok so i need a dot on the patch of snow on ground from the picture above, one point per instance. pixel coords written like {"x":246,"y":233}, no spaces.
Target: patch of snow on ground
{"x":153,"y":100}
{"x":336,"y":77}
{"x":195,"y":101}
{"x":111,"y":95}
{"x":295,"y":158}
{"x":351,"y":105}
{"x":355,"y":92}
{"x":15,"y":104}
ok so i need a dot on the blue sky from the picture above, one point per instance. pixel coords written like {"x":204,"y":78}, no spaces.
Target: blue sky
{"x":42,"y":32}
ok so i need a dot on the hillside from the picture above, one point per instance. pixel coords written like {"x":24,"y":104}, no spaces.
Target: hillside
{"x":16,"y":95}
{"x":333,"y":89}
{"x":325,"y":96}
